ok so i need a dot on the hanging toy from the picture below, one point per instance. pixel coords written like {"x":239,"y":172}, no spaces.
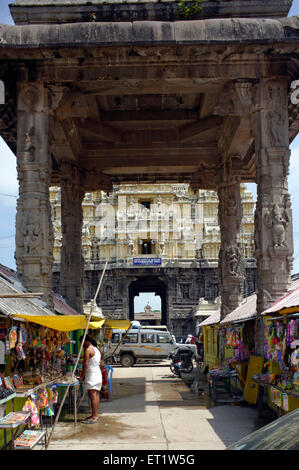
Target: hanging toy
{"x":293,"y":328}
{"x":279,"y":355}
{"x":22,"y":334}
{"x":289,"y":340}
{"x":278,"y":329}
{"x":20,"y":352}
{"x":13,"y":337}
{"x":55,"y":394}
{"x":229,"y":337}
{"x":30,"y":406}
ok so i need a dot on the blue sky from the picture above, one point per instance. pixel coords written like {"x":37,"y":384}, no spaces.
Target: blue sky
{"x":9,"y":188}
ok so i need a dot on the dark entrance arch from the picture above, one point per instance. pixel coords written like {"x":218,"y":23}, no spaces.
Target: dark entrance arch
{"x":148,"y":284}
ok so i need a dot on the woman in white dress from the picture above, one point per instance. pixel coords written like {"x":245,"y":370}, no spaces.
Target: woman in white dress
{"x":92,"y":377}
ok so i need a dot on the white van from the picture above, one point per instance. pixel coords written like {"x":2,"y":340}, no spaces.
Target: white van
{"x":142,"y":344}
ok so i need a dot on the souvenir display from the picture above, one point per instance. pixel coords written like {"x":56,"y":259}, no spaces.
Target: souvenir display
{"x":237,"y":339}
{"x":15,"y":417}
{"x":4,"y":392}
{"x":282,"y":354}
{"x":17,"y":380}
{"x":13,"y":336}
{"x":28,"y":438}
{"x":8,"y":383}
{"x":20,"y":351}
{"x":22,"y":334}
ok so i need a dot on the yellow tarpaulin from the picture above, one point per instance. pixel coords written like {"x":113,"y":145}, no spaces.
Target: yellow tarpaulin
{"x":73,"y":322}
{"x":62,"y":322}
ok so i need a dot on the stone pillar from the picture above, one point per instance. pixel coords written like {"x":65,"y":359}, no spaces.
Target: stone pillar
{"x":273,"y":216}
{"x":231,"y":260}
{"x":72,"y":262}
{"x":34,"y":232}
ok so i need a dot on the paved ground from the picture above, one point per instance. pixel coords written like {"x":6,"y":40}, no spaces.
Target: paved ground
{"x":150,"y":409}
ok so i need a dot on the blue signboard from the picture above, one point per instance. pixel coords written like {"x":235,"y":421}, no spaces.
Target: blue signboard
{"x":147,"y":261}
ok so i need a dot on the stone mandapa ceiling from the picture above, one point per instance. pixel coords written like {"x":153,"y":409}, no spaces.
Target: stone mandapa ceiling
{"x":148,"y":101}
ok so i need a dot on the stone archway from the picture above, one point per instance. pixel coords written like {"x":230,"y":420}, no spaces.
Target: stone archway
{"x":149,"y":284}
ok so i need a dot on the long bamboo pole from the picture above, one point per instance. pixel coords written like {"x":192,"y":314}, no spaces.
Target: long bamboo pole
{"x":92,"y":304}
{"x":121,"y":341}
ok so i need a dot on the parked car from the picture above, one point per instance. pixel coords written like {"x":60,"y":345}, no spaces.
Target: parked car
{"x":281,"y":434}
{"x":142,"y":344}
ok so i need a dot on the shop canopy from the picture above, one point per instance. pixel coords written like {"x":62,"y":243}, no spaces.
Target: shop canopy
{"x":287,"y":304}
{"x":245,"y":312}
{"x":72,"y":322}
{"x":211,"y":320}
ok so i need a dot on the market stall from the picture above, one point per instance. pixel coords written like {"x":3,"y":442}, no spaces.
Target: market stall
{"x":237,"y":336}
{"x":40,"y":370}
{"x":33,"y":367}
{"x":280,"y":379}
{"x":34,"y":358}
{"x":210,"y":329}
{"x":22,"y":347}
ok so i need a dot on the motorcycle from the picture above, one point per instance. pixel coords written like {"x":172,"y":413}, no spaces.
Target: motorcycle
{"x":181,"y":361}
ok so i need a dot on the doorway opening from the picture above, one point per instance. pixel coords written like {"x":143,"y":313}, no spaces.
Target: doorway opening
{"x":147,"y":308}
{"x":147,"y":301}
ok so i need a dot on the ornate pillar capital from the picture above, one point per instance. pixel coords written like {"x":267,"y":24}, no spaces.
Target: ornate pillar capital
{"x":236,"y":99}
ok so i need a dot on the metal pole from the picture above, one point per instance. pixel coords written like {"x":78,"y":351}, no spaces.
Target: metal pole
{"x":92,"y":303}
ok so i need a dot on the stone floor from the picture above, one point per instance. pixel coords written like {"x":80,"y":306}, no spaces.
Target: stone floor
{"x":151,"y":409}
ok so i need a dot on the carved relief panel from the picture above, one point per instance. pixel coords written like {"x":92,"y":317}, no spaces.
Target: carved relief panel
{"x":34,"y":232}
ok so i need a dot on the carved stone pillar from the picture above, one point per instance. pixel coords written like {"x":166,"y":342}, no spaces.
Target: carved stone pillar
{"x":231,"y":261}
{"x":273,"y":216}
{"x":72,"y":262}
{"x":34,"y":232}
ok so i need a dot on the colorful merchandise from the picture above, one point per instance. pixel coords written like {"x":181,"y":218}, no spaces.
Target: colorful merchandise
{"x":20,"y":352}
{"x":22,"y":334}
{"x":13,"y":337}
{"x":17,"y":380}
{"x":32,"y":408}
{"x":8,"y":383}
{"x":41,"y":398}
{"x":15,"y":417}
{"x":28,"y":438}
{"x":242,"y":353}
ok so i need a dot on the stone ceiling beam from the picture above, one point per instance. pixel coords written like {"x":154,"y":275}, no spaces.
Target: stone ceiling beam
{"x":199,"y":148}
{"x":145,"y":137}
{"x":193,"y":130}
{"x":153,"y":77}
{"x":105,"y":133}
{"x":149,"y":115}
